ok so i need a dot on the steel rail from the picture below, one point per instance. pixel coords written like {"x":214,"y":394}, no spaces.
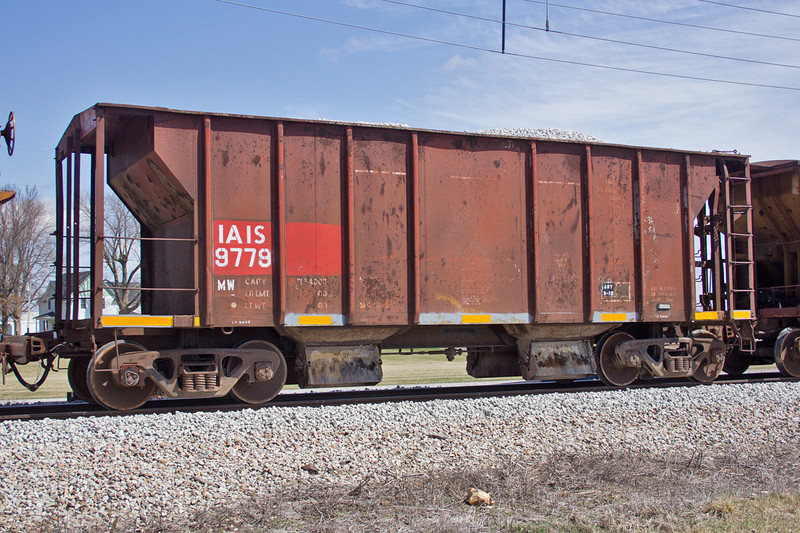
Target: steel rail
{"x":419,"y":393}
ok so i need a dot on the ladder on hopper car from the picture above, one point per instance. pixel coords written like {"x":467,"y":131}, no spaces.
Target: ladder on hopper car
{"x":738,"y":204}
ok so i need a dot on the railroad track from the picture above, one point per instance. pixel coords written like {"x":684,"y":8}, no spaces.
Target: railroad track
{"x":67,"y":410}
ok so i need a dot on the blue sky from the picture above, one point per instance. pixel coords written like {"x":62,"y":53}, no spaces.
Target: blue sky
{"x":61,"y":57}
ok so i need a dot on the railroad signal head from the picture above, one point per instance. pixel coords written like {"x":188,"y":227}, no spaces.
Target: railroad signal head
{"x":8,"y":133}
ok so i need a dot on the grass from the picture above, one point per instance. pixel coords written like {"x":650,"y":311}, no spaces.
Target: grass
{"x":762,"y":512}
{"x":55,"y":386}
{"x":426,"y":368}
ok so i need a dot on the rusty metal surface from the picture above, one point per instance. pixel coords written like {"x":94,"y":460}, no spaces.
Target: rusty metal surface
{"x":472,"y":227}
{"x":241,"y":222}
{"x":380,"y":227}
{"x":154,"y":177}
{"x":559,"y":229}
{"x":329,"y":366}
{"x":149,"y":174}
{"x":556,"y":359}
{"x":613,"y":232}
{"x":315,"y":335}
{"x":312,"y":253}
{"x":663,"y":255}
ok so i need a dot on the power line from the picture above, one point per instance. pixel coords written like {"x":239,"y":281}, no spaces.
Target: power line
{"x":679,"y":51}
{"x":674,"y":23}
{"x":653,"y":73}
{"x":751,"y":9}
{"x":357,"y":27}
{"x":594,"y":38}
{"x":492,"y":51}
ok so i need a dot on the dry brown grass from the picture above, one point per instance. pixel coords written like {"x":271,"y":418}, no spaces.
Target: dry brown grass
{"x":609,"y":492}
{"x":774,"y":512}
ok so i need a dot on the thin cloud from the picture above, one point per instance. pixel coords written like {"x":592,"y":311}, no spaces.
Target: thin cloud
{"x":628,"y":108}
{"x":457,"y":62}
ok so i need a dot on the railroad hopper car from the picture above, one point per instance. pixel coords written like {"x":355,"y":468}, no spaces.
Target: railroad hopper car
{"x":291,"y":251}
{"x":776,"y":228}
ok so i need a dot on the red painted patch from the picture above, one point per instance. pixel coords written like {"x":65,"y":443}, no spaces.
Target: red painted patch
{"x":242,"y":248}
{"x":313,"y":249}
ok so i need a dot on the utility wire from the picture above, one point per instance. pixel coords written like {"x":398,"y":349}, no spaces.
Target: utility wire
{"x":492,"y":51}
{"x":674,"y":23}
{"x":594,"y":38}
{"x":751,"y":9}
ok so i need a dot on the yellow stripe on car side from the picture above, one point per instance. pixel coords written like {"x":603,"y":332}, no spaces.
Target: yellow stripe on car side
{"x":141,"y":321}
{"x":476,"y":319}
{"x":613,"y":317}
{"x":707,"y":315}
{"x":314,"y":320}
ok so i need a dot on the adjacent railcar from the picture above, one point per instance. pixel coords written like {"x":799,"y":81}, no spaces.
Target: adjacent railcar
{"x":278,"y":250}
{"x":776,"y":227}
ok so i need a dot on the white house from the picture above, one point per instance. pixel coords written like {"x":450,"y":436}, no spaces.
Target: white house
{"x":47,"y":303}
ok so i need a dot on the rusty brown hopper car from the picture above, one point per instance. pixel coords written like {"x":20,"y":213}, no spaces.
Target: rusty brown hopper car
{"x":292,"y":250}
{"x":776,"y":227}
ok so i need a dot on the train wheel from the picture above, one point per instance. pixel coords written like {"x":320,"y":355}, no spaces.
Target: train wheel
{"x":712,"y":357}
{"x":787,"y":356}
{"x":105,"y":389}
{"x":735,"y":363}
{"x":259,"y":392}
{"x":610,"y":369}
{"x":76,"y":376}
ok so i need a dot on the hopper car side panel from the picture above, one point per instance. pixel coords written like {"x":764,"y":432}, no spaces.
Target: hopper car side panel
{"x":473,"y":259}
{"x":559,"y":214}
{"x":379,"y":233}
{"x":313,"y":279}
{"x":615,"y":237}
{"x":664,"y":256}
{"x":241,"y":220}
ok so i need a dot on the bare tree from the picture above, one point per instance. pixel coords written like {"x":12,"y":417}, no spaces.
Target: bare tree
{"x":26,"y":253}
{"x":121,"y":253}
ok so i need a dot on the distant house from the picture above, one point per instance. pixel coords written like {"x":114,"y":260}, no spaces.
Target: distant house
{"x":47,"y":303}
